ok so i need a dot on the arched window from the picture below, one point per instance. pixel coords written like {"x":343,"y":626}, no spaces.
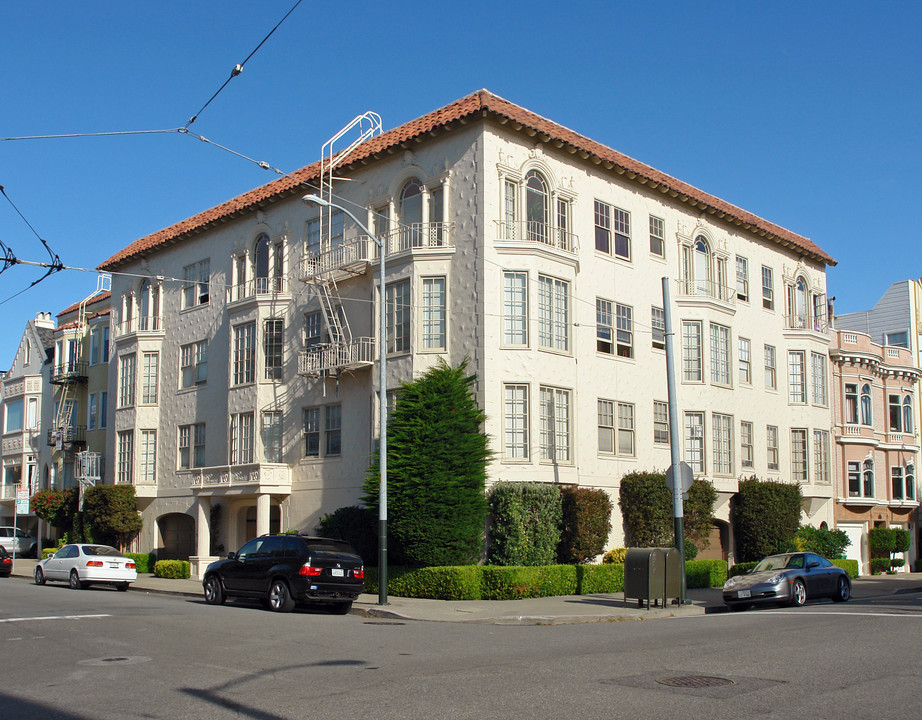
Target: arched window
{"x":907,"y":415}
{"x":910,"y":481}
{"x":261,"y":262}
{"x":536,"y":207}
{"x":867,"y":417}
{"x":702,"y":267}
{"x":868,"y":475}
{"x":411,"y":213}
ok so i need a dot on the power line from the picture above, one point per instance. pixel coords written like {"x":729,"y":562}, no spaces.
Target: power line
{"x":90,"y":134}
{"x":238,"y":68}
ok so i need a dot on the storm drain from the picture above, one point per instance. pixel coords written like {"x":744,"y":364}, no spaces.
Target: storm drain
{"x":694,"y":681}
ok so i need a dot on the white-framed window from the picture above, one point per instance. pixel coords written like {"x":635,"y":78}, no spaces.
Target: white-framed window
{"x":13,"y":415}
{"x":99,"y":344}
{"x":660,"y":422}
{"x":910,"y":477}
{"x":241,"y":438}
{"x":556,"y":431}
{"x":723,"y":443}
{"x":867,"y":477}
{"x":192,"y":445}
{"x":313,"y":328}
{"x":553,"y":313}
{"x":604,"y":326}
{"x":851,"y":403}
{"x":745,"y":361}
{"x":616,"y":428}
{"x":622,"y":228}
{"x":536,"y":207}
{"x":312,"y":236}
{"x":611,"y":220}
{"x":515,"y":422}
{"x":742,"y":279}
{"x":245,"y":353}
{"x":746,"y":453}
{"x":398,"y":317}
{"x":515,"y":308}
{"x":658,"y":327}
{"x":771,"y":446}
{"x":908,"y":424}
{"x":797,"y":381}
{"x":434,"y":313}
{"x":124,"y":472}
{"x":126,"y":380}
{"x":854,"y":479}
{"x":273,"y":348}
{"x":720,"y":354}
{"x":626,"y":429}
{"x":32,"y":414}
{"x":900,"y":413}
{"x":193,"y":363}
{"x":867,"y":415}
{"x":333,"y":430}
{"x":272,"y":436}
{"x":606,"y":427}
{"x":818,"y":386}
{"x":771,"y":375}
{"x":657,"y":236}
{"x":196,"y":279}
{"x":510,"y":211}
{"x":602,"y":216}
{"x":625,"y":331}
{"x":692,"y":360}
{"x":799,"y":455}
{"x":92,"y":411}
{"x":147,"y":472}
{"x":150,"y":373}
{"x":821,"y":456}
{"x":694,"y":441}
{"x":768,"y":288}
{"x":311,"y":432}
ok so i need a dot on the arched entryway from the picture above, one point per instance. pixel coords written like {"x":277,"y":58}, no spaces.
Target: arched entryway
{"x":177,"y":536}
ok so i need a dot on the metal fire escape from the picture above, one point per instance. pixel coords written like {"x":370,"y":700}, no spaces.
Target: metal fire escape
{"x":335,"y":259}
{"x":68,"y":373}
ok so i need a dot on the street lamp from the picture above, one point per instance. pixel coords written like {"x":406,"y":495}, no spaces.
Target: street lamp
{"x":382,"y":397}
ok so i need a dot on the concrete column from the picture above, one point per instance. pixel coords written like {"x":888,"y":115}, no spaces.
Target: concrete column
{"x":203,"y":557}
{"x":262,"y":514}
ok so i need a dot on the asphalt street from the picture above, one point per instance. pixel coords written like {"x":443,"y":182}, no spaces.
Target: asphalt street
{"x":99,"y":654}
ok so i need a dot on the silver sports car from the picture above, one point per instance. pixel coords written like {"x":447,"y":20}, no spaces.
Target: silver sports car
{"x":789,"y":579}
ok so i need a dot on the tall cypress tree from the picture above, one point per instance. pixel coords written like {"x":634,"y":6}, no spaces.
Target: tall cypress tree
{"x":436,"y":466}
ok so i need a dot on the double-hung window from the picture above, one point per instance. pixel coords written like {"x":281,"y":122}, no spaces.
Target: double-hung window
{"x":720,"y":354}
{"x":434,"y":313}
{"x":821,"y":456}
{"x":553,"y":313}
{"x":694,"y":441}
{"x":323,"y":423}
{"x":272,"y":436}
{"x":515,"y":422}
{"x":602,"y":227}
{"x":771,"y":446}
{"x":723,"y":443}
{"x":616,"y":428}
{"x":312,"y":432}
{"x":195,"y":284}
{"x":771,"y":376}
{"x":147,"y":472}
{"x":241,"y":439}
{"x":797,"y":381}
{"x":192,"y":445}
{"x":398,"y":317}
{"x":333,"y":430}
{"x":745,"y":361}
{"x":604,"y":326}
{"x":625,"y":334}
{"x":742,"y":279}
{"x":818,"y":367}
{"x":126,"y":380}
{"x":555,"y":424}
{"x":799,"y":455}
{"x":658,"y":327}
{"x":150,"y":371}
{"x":746,"y":454}
{"x":660,"y":422}
{"x":768,"y":289}
{"x":193,"y":361}
{"x":515,"y":308}
{"x":692,"y":361}
{"x":273,"y":348}
{"x":657,"y":237}
{"x":124,"y":472}
{"x":244,"y":353}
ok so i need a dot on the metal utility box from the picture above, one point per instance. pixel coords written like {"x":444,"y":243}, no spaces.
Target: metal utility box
{"x":673,"y":573}
{"x":645,"y":575}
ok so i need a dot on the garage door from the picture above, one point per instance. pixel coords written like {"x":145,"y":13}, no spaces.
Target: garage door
{"x":855,"y":549}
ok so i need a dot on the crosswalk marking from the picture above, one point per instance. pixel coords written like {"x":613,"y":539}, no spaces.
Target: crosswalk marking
{"x":52,"y":617}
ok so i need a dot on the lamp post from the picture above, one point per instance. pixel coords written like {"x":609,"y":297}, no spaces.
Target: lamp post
{"x":382,"y":397}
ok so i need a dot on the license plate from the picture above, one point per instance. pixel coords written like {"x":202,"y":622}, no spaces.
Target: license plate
{"x":338,"y":572}
{"x":744,"y":593}
{"x":114,"y":565}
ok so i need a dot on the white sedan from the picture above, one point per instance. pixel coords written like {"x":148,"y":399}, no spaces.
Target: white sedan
{"x":83,"y":564}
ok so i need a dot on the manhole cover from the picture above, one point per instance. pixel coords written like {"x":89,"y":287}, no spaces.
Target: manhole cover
{"x":118,"y":660}
{"x":694,"y":681}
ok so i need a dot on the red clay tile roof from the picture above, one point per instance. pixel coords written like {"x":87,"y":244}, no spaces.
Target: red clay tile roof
{"x":477,"y":105}
{"x":76,"y":306}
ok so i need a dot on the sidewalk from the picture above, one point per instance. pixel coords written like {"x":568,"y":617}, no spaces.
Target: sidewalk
{"x":560,"y":610}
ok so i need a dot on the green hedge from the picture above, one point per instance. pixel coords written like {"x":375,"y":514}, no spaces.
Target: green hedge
{"x":142,"y":561}
{"x":849,"y":566}
{"x":741,"y":568}
{"x":460,"y":582}
{"x":514,"y":583}
{"x":172,"y":569}
{"x":606,"y":578}
{"x":705,"y":573}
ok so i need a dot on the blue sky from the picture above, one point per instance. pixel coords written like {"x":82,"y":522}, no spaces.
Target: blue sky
{"x":806,"y":114}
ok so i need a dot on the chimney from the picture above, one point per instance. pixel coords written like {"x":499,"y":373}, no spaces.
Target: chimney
{"x":43,"y":320}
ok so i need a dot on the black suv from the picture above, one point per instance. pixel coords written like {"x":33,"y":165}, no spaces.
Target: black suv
{"x":286,"y":569}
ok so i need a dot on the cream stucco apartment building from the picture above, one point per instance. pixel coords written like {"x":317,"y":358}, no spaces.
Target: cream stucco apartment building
{"x":244,"y":376}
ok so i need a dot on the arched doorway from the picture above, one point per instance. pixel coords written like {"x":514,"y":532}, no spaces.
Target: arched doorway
{"x":177,"y":536}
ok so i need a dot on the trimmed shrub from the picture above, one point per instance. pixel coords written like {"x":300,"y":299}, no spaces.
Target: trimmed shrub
{"x":879,"y":565}
{"x":526,"y":523}
{"x":515,"y":583}
{"x":849,"y":566}
{"x":828,"y":543}
{"x":765,"y":516}
{"x":647,"y":510}
{"x":901,"y":539}
{"x":172,"y":569}
{"x":141,"y":560}
{"x":110,"y":514}
{"x":881,"y":541}
{"x":459,"y":582}
{"x":705,"y":573}
{"x":691,"y":550}
{"x":585,"y":523}
{"x":606,"y":578}
{"x":436,"y":461}
{"x":741,"y":568}
{"x":897,"y":562}
{"x":357,"y":526}
{"x":615,"y":555}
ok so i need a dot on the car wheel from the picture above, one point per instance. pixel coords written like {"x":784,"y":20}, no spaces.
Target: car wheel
{"x":39,"y":576}
{"x":798,"y":593}
{"x":214,"y":591}
{"x":122,"y":587}
{"x":341,"y":608}
{"x":843,"y":591}
{"x":280,"y":599}
{"x":75,"y":583}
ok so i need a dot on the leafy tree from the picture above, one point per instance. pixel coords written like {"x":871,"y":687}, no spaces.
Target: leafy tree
{"x":436,"y":465}
{"x":58,"y":508}
{"x":585,"y":525}
{"x":647,"y":511}
{"x":111,"y":512}
{"x":356,"y":526}
{"x":828,"y":543}
{"x":766,"y":516}
{"x":526,"y":523}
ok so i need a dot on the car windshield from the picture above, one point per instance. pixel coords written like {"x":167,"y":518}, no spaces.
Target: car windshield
{"x":778,"y":562}
{"x":99,"y":550}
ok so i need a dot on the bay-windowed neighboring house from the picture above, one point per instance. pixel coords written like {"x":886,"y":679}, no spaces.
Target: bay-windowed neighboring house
{"x":244,"y":381}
